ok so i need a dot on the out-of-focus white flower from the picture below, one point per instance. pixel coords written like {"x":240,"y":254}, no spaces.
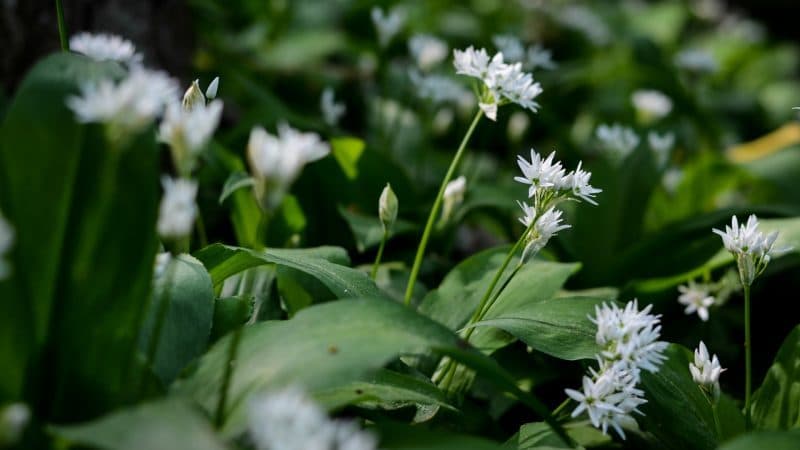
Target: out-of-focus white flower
{"x":583,"y":19}
{"x":706,"y":370}
{"x":751,"y":248}
{"x":387,"y":25}
{"x":439,"y":88}
{"x":546,"y":226}
{"x":651,"y":104}
{"x":211,"y":90}
{"x":388,"y":206}
{"x":696,"y":60}
{"x":540,"y":57}
{"x":14,"y":418}
{"x":126,"y":107}
{"x":453,"y":197}
{"x":510,"y":46}
{"x":442,"y":120}
{"x":502,"y":83}
{"x":276,"y":161}
{"x":518,"y":123}
{"x":332,"y":111}
{"x":6,"y":242}
{"x":290,"y":420}
{"x":661,"y":145}
{"x":697,"y":299}
{"x":105,"y":47}
{"x":427,"y":50}
{"x":177,"y":211}
{"x":672,"y":179}
{"x":617,"y":141}
{"x":187,"y":131}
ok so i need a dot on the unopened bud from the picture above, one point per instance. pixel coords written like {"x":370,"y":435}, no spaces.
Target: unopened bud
{"x":193,"y":97}
{"x":387,"y":208}
{"x":211,"y":91}
{"x":453,"y":197}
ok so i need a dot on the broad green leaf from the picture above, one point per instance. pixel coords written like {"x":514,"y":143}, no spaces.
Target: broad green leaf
{"x":322,"y":347}
{"x":776,"y":404}
{"x":160,"y":425}
{"x":539,"y":435}
{"x":765,"y":440}
{"x":559,"y":326}
{"x":677,"y":412}
{"x":237,"y":180}
{"x":347,"y":151}
{"x":223,"y":261}
{"x":85,"y":209}
{"x":230,"y":313}
{"x":368,"y":230}
{"x":396,"y":436}
{"x":186,"y":288}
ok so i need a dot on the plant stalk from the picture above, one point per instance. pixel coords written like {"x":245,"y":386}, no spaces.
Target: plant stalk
{"x":226,"y":380}
{"x":437,"y":204}
{"x":62,"y":27}
{"x":748,"y":354}
{"x":379,"y":255}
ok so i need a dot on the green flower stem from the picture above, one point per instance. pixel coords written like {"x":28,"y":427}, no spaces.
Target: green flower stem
{"x":62,"y":27}
{"x":201,"y":229}
{"x":379,"y":255}
{"x":717,"y":425}
{"x":435,"y":209}
{"x":233,"y":349}
{"x":748,"y":374}
{"x":560,"y":408}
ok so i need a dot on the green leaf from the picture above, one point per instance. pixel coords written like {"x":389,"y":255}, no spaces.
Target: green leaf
{"x":772,"y":440}
{"x":368,"y":230}
{"x":85,"y":211}
{"x":776,"y":404}
{"x":230,"y":313}
{"x":559,"y":327}
{"x":322,"y":347}
{"x":223,"y":261}
{"x":539,"y":435}
{"x":236,"y":180}
{"x":677,"y":412}
{"x":162,"y":425}
{"x":396,"y":436}
{"x":186,"y":287}
{"x":347,"y":151}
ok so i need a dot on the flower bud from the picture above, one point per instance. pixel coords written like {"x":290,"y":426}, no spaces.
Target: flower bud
{"x":193,"y":97}
{"x":453,"y":196}
{"x":211,"y":91}
{"x":387,"y":208}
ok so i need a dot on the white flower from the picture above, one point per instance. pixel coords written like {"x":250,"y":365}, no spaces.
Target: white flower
{"x":697,"y":299}
{"x":546,"y":226}
{"x":126,"y":107}
{"x":290,"y":420}
{"x":585,"y":20}
{"x":177,"y":211}
{"x":427,"y":50}
{"x":541,"y":173}
{"x":105,"y":47}
{"x":696,"y":60}
{"x":387,"y":208}
{"x":213,"y":87}
{"x":672,"y":179}
{"x":387,"y":25}
{"x":332,"y":111}
{"x":706,"y":371}
{"x":651,"y":103}
{"x":661,"y":145}
{"x":539,"y":56}
{"x":579,"y":183}
{"x":187,"y":131}
{"x":617,"y":141}
{"x":453,"y":196}
{"x":629,"y":336}
{"x":438,"y":88}
{"x":751,"y":248}
{"x":6,"y":242}
{"x":510,"y":46}
{"x":276,"y":161}
{"x":518,"y":124}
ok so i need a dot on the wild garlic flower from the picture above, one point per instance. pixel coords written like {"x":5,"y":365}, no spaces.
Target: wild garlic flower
{"x":697,"y":299}
{"x":388,"y":206}
{"x":387,"y":25}
{"x":332,"y":111}
{"x":211,"y":90}
{"x":550,"y":180}
{"x":502,"y":83}
{"x":751,"y":248}
{"x":651,"y":104}
{"x":510,"y":46}
{"x":187,"y":131}
{"x":545,"y":226}
{"x":518,"y":124}
{"x":178,"y":210}
{"x":126,"y":107}
{"x":105,"y":47}
{"x":453,"y":197}
{"x":579,"y":184}
{"x":629,"y":338}
{"x":6,"y":242}
{"x":427,"y":50}
{"x":695,"y":60}
{"x":661,"y":146}
{"x":540,"y":57}
{"x":277,"y":160}
{"x":290,"y":420}
{"x":617,"y":141}
{"x":706,"y":371}
{"x":439,"y":88}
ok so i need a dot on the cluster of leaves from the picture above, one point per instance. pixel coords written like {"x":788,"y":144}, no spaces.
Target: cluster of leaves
{"x":77,"y":316}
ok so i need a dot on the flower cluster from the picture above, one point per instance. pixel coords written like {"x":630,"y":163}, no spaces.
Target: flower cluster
{"x":440,"y":89}
{"x":290,"y":420}
{"x":6,"y":241}
{"x":105,"y":47}
{"x":706,"y":370}
{"x":549,"y":183}
{"x":427,"y":50}
{"x":751,"y":248}
{"x":276,"y":160}
{"x":387,"y":25}
{"x":533,"y":58}
{"x":177,"y":210}
{"x":502,"y":83}
{"x":332,"y":111}
{"x":188,"y":130}
{"x":617,"y":141}
{"x":661,"y":145}
{"x":629,"y":341}
{"x":651,"y":104}
{"x":697,"y":298}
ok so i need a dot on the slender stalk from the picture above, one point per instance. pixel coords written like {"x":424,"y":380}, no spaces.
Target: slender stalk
{"x":226,"y":380}
{"x":379,"y":255}
{"x":717,"y":425}
{"x":201,"y":229}
{"x":62,"y":27}
{"x":748,"y":374}
{"x":560,"y":408}
{"x":437,"y":204}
